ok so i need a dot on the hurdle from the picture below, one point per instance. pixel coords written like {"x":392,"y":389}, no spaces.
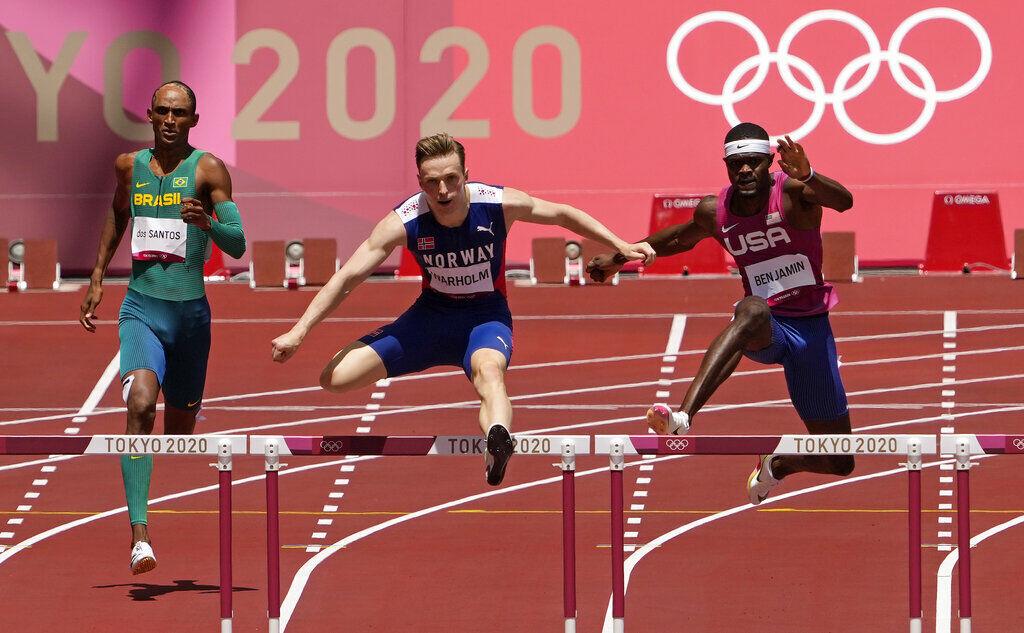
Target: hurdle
{"x":273,"y":447}
{"x":223,"y":446}
{"x":912,"y":447}
{"x":963,"y":448}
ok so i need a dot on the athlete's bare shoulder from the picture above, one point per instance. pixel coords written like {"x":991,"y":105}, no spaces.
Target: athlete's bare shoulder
{"x":704,"y":213}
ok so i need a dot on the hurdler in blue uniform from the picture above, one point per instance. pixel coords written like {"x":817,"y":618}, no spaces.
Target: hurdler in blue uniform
{"x":457,"y":231}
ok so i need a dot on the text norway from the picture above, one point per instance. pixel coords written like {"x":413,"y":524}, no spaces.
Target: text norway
{"x":758,"y":240}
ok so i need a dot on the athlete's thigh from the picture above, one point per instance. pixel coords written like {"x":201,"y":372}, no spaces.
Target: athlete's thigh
{"x":488,"y":340}
{"x":422,"y":337}
{"x":189,"y":356}
{"x":355,"y":366}
{"x":141,"y":347}
{"x":812,"y":373}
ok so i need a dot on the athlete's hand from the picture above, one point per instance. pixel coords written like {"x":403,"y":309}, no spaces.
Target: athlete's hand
{"x":640,"y":250}
{"x":792,"y":159}
{"x":285,"y":346}
{"x":192,"y":212}
{"x":602,"y":268}
{"x":93,"y":296}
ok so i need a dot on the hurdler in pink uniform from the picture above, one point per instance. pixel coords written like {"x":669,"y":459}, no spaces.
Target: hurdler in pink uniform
{"x":771,"y":224}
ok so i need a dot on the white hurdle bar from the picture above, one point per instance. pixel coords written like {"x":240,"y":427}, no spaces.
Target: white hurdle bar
{"x":911,"y":447}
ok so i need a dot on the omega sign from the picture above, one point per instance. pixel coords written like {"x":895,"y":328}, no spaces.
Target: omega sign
{"x":680,"y":203}
{"x":966,"y":199}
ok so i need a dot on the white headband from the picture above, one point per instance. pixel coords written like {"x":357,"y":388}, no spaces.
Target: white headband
{"x":748,"y":146}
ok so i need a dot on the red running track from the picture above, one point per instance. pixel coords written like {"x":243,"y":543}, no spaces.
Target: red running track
{"x":829,"y":560}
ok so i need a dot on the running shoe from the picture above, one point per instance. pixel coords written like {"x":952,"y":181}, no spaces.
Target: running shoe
{"x":143,"y":558}
{"x":761,"y":480}
{"x":499,"y":449}
{"x":664,"y":421}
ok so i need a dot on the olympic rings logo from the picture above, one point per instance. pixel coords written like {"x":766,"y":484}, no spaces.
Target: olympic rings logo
{"x":1018,"y":443}
{"x":841,"y":92}
{"x":331,"y":446}
{"x":676,"y":444}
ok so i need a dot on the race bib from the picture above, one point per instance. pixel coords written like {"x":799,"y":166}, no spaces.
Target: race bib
{"x":463,"y":280}
{"x":159,"y":239}
{"x":779,"y":274}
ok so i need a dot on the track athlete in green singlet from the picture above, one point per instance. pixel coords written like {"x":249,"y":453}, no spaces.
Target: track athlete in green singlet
{"x":169,"y":194}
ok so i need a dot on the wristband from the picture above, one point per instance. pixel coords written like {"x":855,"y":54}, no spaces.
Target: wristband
{"x":808,"y":178}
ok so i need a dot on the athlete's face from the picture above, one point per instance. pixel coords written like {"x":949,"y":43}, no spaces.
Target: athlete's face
{"x":172,"y":116}
{"x":748,"y":173}
{"x":443,"y":179}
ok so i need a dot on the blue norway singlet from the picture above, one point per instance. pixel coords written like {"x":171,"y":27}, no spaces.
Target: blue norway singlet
{"x":466,"y":261}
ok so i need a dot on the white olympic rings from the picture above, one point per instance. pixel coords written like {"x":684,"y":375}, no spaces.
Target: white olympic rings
{"x":331,"y":446}
{"x":1018,"y":443}
{"x":817,"y":94}
{"x":676,"y":444}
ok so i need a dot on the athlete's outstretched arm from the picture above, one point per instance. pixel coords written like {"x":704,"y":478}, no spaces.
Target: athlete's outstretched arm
{"x":670,"y":240}
{"x":521,"y":206}
{"x":385,"y":237}
{"x":226,"y":231}
{"x":113,"y":229}
{"x":815,"y":189}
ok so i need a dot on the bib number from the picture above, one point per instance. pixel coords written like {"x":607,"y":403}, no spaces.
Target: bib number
{"x":159,"y":239}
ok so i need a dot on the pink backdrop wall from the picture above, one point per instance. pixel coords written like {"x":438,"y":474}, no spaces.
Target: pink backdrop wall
{"x":606,"y":143}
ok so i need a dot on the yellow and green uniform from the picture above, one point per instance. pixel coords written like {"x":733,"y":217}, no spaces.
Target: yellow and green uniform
{"x":164,"y":322}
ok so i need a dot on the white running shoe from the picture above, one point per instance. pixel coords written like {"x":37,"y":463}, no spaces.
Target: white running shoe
{"x":143,"y":558}
{"x":664,"y":421}
{"x":761,"y":480}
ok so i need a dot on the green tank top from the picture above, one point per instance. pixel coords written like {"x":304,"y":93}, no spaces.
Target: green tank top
{"x":154,"y":196}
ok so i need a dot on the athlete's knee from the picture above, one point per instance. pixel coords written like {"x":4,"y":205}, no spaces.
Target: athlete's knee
{"x":488,"y":374}
{"x":752,"y":316}
{"x":328,"y":382}
{"x":842,"y":465}
{"x":141,"y":412}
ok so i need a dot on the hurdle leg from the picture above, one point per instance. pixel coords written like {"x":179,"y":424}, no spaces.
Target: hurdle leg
{"x":223,"y":465}
{"x":617,"y":459}
{"x":272,"y":466}
{"x":914,"y":525}
{"x":568,"y":467}
{"x":963,"y":530}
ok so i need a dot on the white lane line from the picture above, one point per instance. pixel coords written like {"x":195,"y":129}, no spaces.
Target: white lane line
{"x":949,"y":324}
{"x":100,"y":388}
{"x":653,"y":545}
{"x":944,"y":579}
{"x":301,"y":578}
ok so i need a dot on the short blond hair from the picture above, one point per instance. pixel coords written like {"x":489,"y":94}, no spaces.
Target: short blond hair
{"x":438,"y":145}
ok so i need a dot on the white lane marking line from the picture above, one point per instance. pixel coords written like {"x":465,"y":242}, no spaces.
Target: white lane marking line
{"x":662,"y":394}
{"x":362,"y":429}
{"x":643,"y":481}
{"x":946,"y":506}
{"x":669,"y":359}
{"x":377,"y":395}
{"x":319,"y":535}
{"x":948,"y":393}
{"x":945,"y":520}
{"x":312,"y":549}
{"x":947,"y":430}
{"x":945,"y":493}
{"x":6,"y":534}
{"x":73,"y":430}
{"x":348,"y":468}
{"x":637,"y":507}
{"x":630,"y":534}
{"x":945,"y":548}
{"x":336,"y":495}
{"x":64,"y":527}
{"x":325,"y":522}
{"x":373,"y":407}
{"x":383,"y":382}
{"x":949,"y":324}
{"x":79,"y":419}
{"x":31,"y":495}
{"x":368,"y":418}
{"x":949,"y":357}
{"x":945,"y":480}
{"x":640,"y":493}
{"x":341,"y":482}
{"x":15,"y":521}
{"x":40,"y":482}
{"x":48,"y":469}
{"x":647,"y":468}
{"x":944,"y":578}
{"x":945,"y":535}
{"x":668,"y":369}
{"x":654,"y":544}
{"x":675,"y":335}
{"x":948,"y":345}
{"x":664,"y":382}
{"x":947,"y":381}
{"x":100,"y":388}
{"x":948,"y":404}
{"x":634,"y":520}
